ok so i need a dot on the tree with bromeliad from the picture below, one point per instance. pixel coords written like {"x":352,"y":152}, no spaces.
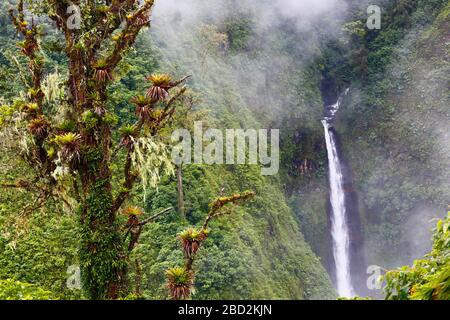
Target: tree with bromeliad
{"x":70,"y":143}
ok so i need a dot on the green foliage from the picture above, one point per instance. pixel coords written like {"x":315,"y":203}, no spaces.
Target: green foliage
{"x":179,"y":283}
{"x":35,"y":247}
{"x":66,"y":139}
{"x":239,"y":31}
{"x":67,"y":125}
{"x":178,"y":276}
{"x":160,"y":79}
{"x":80,"y":177}
{"x":263,"y":235}
{"x":427,"y":279}
{"x":90,"y":119}
{"x":16,"y":290}
{"x":191,"y":235}
{"x":128,"y":130}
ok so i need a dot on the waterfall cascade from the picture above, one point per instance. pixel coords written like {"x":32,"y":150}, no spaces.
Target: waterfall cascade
{"x":339,"y":226}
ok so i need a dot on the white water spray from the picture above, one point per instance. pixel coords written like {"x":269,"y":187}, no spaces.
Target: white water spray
{"x":339,"y":227}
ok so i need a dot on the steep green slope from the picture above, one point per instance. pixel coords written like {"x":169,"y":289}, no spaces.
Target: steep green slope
{"x":393,"y":128}
{"x":262,"y":249}
{"x":258,"y":252}
{"x":395,"y":131}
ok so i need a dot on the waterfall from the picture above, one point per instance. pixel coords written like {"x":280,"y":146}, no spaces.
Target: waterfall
{"x":339,"y":227}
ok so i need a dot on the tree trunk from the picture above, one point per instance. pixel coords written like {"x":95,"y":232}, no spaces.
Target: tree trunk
{"x":138,"y":278}
{"x":181,"y":208}
{"x":103,"y":259}
{"x":102,"y":255}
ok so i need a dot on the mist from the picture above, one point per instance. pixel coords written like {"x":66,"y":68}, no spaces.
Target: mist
{"x":416,"y":155}
{"x":192,"y":40}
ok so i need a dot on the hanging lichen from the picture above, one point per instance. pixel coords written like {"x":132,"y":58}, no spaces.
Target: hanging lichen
{"x":151,"y":158}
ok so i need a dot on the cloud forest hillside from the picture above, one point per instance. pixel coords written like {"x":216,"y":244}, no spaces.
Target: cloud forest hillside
{"x":92,"y":206}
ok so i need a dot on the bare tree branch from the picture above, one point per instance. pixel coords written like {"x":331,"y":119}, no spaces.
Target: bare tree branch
{"x":154,"y":217}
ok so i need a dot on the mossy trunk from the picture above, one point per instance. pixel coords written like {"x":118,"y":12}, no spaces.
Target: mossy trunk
{"x":102,"y":255}
{"x":103,"y":259}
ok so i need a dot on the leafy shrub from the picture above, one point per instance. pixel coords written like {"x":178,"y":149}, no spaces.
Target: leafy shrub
{"x":427,"y":279}
{"x":16,"y":290}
